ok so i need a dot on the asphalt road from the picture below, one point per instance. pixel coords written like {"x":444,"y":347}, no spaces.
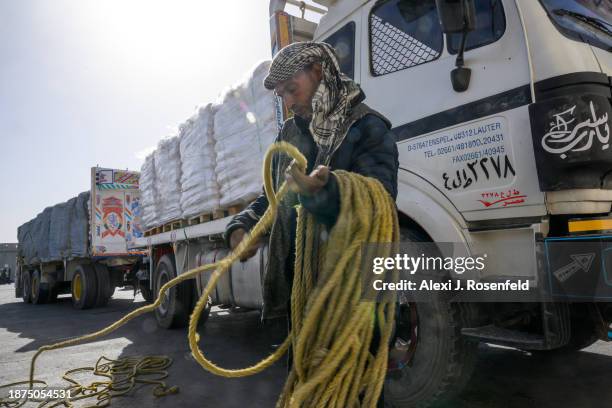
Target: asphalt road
{"x":504,"y":378}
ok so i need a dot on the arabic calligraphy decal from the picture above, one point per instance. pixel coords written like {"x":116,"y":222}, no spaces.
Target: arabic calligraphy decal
{"x":566,"y":136}
{"x":500,"y":199}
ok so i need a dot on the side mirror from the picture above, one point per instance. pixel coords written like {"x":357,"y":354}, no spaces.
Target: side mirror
{"x":456,"y":16}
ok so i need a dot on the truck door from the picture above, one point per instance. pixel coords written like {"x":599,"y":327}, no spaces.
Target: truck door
{"x":473,"y":146}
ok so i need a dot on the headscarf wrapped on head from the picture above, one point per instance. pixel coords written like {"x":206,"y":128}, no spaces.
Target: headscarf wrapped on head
{"x":333,"y":98}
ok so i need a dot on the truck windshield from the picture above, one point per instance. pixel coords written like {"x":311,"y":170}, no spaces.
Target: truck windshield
{"x":583,"y":20}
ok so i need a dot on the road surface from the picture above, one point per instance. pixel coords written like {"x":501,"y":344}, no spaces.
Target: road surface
{"x":504,"y":378}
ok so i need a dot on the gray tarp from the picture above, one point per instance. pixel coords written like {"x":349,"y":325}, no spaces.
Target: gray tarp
{"x":40,"y":235}
{"x":79,"y":226}
{"x":58,"y":232}
{"x":25,"y":238}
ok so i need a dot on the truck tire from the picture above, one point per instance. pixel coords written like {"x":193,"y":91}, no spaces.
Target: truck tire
{"x":52,"y":294}
{"x":104,"y":285}
{"x":206,"y":311}
{"x":439,"y":360}
{"x":18,"y":282}
{"x":40,"y":293}
{"x":52,"y":288}
{"x":84,"y":287}
{"x":26,"y":287}
{"x":147,"y":293}
{"x":174,"y":309}
{"x":583,"y":330}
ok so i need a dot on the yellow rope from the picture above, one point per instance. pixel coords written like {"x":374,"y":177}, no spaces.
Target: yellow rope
{"x":122,"y":374}
{"x":331,"y":327}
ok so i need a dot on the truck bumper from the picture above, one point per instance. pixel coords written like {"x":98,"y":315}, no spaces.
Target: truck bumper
{"x":578,"y":268}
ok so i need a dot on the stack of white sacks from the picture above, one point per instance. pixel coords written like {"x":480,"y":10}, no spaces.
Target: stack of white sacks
{"x":148,"y":195}
{"x":216,"y":159}
{"x":245,"y":125}
{"x":199,"y":188}
{"x":168,"y":180}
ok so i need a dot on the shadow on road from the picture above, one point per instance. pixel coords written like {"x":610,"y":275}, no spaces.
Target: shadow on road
{"x":232,"y":340}
{"x":509,"y":378}
{"x":504,"y":378}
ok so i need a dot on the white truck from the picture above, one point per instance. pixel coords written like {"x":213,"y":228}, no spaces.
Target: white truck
{"x":502,"y":112}
{"x":81,"y":246}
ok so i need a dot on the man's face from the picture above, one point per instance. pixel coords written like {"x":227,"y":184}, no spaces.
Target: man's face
{"x":297,"y":92}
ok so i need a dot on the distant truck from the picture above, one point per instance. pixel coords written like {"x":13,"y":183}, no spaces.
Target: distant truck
{"x":81,"y":246}
{"x":5,"y":275}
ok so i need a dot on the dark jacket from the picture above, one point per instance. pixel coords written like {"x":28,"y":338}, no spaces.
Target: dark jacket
{"x":369,"y":148}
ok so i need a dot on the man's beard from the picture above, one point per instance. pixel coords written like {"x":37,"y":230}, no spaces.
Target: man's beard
{"x":303,"y":113}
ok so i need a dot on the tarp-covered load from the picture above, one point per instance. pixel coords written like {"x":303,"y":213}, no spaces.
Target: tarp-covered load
{"x":59,"y":231}
{"x":56,"y":233}
{"x":79,"y":225}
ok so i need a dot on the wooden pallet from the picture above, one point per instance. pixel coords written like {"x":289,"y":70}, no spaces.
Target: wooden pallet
{"x":198,"y":219}
{"x":153,"y":231}
{"x":226,"y":212}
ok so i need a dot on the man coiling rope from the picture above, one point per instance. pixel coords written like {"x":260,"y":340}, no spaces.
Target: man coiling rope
{"x":339,"y":343}
{"x":332,"y":128}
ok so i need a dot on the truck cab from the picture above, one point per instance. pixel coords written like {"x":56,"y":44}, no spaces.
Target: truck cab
{"x":502,"y":113}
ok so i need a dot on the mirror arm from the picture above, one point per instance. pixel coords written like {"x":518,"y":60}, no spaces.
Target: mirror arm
{"x":459,"y":61}
{"x":460,"y":76}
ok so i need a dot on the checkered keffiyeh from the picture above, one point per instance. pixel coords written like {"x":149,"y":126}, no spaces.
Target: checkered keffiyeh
{"x":333,"y":99}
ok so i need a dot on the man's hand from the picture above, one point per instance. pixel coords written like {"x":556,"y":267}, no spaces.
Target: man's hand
{"x":236,"y":238}
{"x":306,"y":185}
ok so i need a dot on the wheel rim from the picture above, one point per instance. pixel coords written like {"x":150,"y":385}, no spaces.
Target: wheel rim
{"x":34,"y":287}
{"x":77,"y":287}
{"x":165,"y":301}
{"x":406,"y":338}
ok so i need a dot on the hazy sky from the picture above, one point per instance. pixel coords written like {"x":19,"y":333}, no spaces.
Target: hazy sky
{"x":87,"y":82}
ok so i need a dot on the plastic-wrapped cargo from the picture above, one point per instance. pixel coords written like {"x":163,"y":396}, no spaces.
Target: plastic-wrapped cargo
{"x":199,"y":188}
{"x":244,"y":127}
{"x":148,"y":195}
{"x":168,"y":180}
{"x":79,"y":225}
{"x":59,"y":231}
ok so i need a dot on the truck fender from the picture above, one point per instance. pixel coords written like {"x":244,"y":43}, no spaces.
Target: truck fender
{"x":429,"y":208}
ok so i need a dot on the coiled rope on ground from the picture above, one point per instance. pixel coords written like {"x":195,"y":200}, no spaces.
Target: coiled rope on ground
{"x":332,"y":327}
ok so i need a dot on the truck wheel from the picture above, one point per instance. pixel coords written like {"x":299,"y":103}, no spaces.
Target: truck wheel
{"x":52,"y":294}
{"x":430,"y":361}
{"x":104,"y":285}
{"x":174,"y":308}
{"x":583,"y":327}
{"x":147,"y":293}
{"x":26,"y":287}
{"x":84,"y":287}
{"x":209,"y":303}
{"x":39,"y":294}
{"x":583,"y":330}
{"x":18,"y":282}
